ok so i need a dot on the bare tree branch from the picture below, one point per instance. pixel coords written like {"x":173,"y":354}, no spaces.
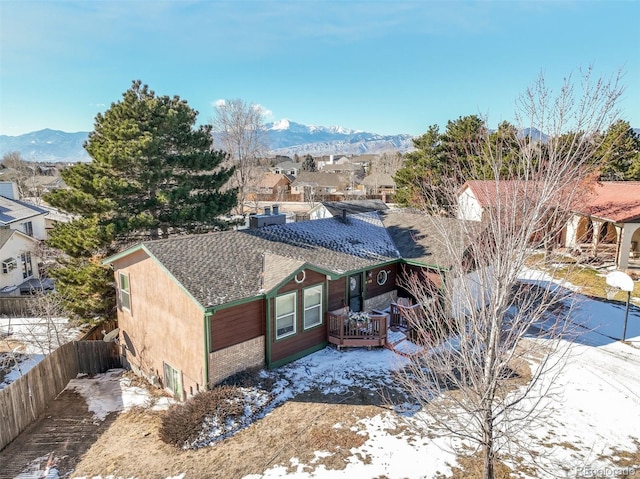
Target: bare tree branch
{"x":483,"y":330}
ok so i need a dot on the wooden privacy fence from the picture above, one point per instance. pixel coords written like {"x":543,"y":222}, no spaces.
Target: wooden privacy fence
{"x":96,"y":333}
{"x":16,"y":305}
{"x":26,"y":398}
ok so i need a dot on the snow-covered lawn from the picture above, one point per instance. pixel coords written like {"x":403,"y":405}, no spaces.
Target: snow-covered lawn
{"x":24,"y":342}
{"x":596,"y":409}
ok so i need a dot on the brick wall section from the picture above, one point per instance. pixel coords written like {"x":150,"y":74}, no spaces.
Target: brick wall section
{"x":228,"y":361}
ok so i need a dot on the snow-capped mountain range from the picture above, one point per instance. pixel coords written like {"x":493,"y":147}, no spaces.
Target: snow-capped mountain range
{"x":284,"y":138}
{"x":288,"y":138}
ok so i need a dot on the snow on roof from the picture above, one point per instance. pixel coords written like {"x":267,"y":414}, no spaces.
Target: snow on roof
{"x":362,"y":235}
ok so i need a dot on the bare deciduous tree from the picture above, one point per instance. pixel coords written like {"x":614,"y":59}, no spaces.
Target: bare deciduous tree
{"x":388,"y":163}
{"x":239,"y":127}
{"x":23,"y":172}
{"x":477,"y":335}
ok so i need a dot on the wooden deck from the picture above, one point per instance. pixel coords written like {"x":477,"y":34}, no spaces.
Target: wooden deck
{"x":343,"y":331}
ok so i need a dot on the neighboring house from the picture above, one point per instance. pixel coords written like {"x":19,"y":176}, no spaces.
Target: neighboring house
{"x":18,"y":262}
{"x":9,"y":189}
{"x":287,"y":168}
{"x":194,"y":310}
{"x":329,"y":209}
{"x":379,"y":184}
{"x":477,"y":197}
{"x":605,"y":219}
{"x":276,"y":185}
{"x":345,"y":167}
{"x":39,"y":185}
{"x":609,"y":215}
{"x":316,"y":184}
{"x":24,"y":217}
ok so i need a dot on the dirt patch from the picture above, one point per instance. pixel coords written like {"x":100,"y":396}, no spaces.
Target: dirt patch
{"x":65,"y":431}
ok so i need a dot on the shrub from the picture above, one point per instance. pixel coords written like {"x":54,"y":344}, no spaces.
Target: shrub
{"x":250,"y":378}
{"x":182,"y":423}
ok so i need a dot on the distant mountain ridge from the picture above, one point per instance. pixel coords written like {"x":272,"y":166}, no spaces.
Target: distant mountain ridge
{"x":290,"y":138}
{"x":47,"y":146}
{"x":285,"y":138}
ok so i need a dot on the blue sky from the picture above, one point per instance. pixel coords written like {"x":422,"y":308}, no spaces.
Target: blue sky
{"x":382,"y":66}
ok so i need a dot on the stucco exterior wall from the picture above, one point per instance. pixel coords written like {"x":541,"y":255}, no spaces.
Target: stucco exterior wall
{"x":228,"y":361}
{"x":164,"y":324}
{"x":468,"y":206}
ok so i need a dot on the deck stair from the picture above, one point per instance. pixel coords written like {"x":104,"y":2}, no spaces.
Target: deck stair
{"x":398,"y":342}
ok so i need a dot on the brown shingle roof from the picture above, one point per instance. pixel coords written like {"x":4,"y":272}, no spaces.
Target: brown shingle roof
{"x":217,"y":268}
{"x":427,"y":239}
{"x":270,"y":180}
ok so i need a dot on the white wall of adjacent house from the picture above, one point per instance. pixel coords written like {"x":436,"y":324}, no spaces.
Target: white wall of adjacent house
{"x":469,"y":291}
{"x":571,"y":237}
{"x":34,"y":226}
{"x":629,"y":244}
{"x":468,"y":206}
{"x":19,"y":263}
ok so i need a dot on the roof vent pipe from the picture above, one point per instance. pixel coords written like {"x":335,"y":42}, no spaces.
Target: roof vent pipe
{"x":344,"y":215}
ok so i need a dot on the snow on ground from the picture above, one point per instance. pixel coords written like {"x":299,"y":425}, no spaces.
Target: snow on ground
{"x":36,"y":337}
{"x":113,"y":392}
{"x":596,"y":409}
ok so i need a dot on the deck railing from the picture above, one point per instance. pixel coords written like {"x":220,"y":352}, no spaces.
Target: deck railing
{"x":343,"y":331}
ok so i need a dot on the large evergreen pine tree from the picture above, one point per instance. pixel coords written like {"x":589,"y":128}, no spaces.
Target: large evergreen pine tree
{"x":153,"y":173}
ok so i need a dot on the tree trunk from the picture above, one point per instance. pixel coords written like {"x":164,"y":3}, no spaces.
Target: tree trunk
{"x":487,"y":448}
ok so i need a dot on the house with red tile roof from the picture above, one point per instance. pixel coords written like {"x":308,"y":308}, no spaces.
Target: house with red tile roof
{"x":608,"y":214}
{"x":605,"y":216}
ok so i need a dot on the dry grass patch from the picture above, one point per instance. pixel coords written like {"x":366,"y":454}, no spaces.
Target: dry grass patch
{"x":625,"y":459}
{"x":591,"y":281}
{"x":131,"y":447}
{"x":471,"y":467}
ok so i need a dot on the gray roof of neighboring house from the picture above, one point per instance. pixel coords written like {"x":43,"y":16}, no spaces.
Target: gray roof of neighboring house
{"x":318,"y":178}
{"x":16,"y":210}
{"x":354,"y":206}
{"x":220,"y":267}
{"x":427,"y":239}
{"x":5,"y":234}
{"x":379,"y":179}
{"x":289,"y":165}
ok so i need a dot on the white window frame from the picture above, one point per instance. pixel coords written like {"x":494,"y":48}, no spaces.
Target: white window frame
{"x":27,"y":265}
{"x":9,"y":265}
{"x":27,"y":226}
{"x":280,"y":317}
{"x":307,"y":308}
{"x":172,"y":380}
{"x":124,"y":292}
